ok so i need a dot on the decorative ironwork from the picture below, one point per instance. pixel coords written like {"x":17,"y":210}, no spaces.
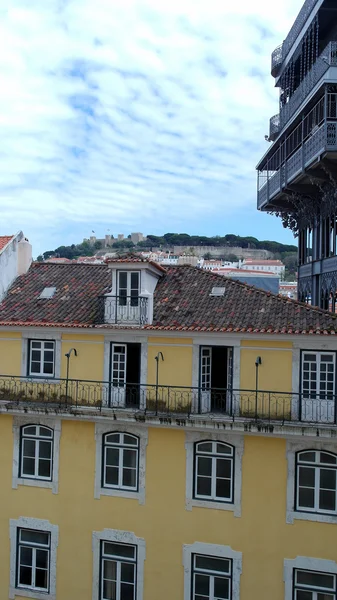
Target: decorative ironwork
{"x":329,"y":283}
{"x":101,"y":397}
{"x":276,"y":60}
{"x":304,"y":289}
{"x":123,"y":310}
{"x":298,"y":25}
{"x":274,"y":127}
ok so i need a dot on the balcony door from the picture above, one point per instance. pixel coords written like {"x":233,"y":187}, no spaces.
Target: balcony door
{"x":128,"y":288}
{"x":318,"y":376}
{"x":124,"y":380}
{"x":215,"y":379}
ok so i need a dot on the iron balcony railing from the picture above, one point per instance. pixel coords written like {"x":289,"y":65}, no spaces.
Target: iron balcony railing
{"x":281,"y":52}
{"x":27,"y":394}
{"x":123,"y":310}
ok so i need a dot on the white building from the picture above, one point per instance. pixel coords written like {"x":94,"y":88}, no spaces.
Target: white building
{"x":15,"y":259}
{"x":265,"y":266}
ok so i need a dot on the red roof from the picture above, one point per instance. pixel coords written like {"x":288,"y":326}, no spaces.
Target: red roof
{"x":251,"y":261}
{"x":183,"y":301}
{"x":4,"y":239}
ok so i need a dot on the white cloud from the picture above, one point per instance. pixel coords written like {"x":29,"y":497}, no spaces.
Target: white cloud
{"x":133,"y":114}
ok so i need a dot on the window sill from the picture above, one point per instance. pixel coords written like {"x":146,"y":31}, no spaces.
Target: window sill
{"x":36,"y":595}
{"x":40,"y":483}
{"x":234,"y":508}
{"x":308,"y":516}
{"x":121,"y":494}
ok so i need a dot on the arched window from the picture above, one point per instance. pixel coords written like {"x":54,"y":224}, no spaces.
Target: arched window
{"x":36,"y":456}
{"x":214,"y":471}
{"x":316,"y":481}
{"x":120,"y":461}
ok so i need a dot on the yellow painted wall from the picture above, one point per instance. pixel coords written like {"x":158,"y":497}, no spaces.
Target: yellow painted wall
{"x":275,"y":371}
{"x":89,"y":362}
{"x":10,"y":353}
{"x":176,"y":369}
{"x":261,"y":533}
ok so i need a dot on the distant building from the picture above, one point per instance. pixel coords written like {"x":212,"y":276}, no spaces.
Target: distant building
{"x":15,"y":259}
{"x":289,"y":289}
{"x":137,"y":237}
{"x":266,"y":266}
{"x":120,"y":237}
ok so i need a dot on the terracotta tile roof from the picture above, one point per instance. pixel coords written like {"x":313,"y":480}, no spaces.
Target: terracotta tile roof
{"x":4,"y":239}
{"x":182,"y":302}
{"x":135,"y":259}
{"x":252,"y":261}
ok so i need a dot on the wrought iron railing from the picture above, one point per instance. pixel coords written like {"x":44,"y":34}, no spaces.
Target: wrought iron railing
{"x":123,"y":310}
{"x":27,"y":394}
{"x":325,"y":60}
{"x":274,"y":127}
{"x":281,"y":52}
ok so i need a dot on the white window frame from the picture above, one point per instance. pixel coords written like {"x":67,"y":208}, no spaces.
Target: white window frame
{"x":37,"y":439}
{"x":317,"y":467}
{"x":142,"y":433}
{"x":128,"y":288}
{"x":121,"y":447}
{"x":42,"y":350}
{"x":214,"y":456}
{"x":304,"y":563}
{"x":17,"y":479}
{"x":35,"y":335}
{"x":215,"y":551}
{"x":118,"y":559}
{"x":35,"y":546}
{"x":121,"y":537}
{"x":293,"y":447}
{"x":318,"y":355}
{"x":235,"y":440}
{"x":120,"y":381}
{"x":211,"y":574}
{"x":37,"y":525}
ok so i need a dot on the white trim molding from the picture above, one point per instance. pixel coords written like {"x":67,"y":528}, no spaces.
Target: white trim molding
{"x":218,"y":551}
{"x":44,"y":336}
{"x":37,"y":525}
{"x":237,"y":441}
{"x":292,"y":448}
{"x":52,"y":423}
{"x":121,"y":537}
{"x":307,"y":564}
{"x":142,"y":433}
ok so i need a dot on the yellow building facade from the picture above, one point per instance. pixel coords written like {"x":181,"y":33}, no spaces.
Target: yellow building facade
{"x":205,"y":469}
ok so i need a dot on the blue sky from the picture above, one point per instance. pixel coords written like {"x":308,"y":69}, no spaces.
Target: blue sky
{"x":129,"y":115}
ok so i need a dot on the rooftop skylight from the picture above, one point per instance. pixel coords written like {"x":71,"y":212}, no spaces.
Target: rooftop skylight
{"x":218,"y":291}
{"x":47,"y":292}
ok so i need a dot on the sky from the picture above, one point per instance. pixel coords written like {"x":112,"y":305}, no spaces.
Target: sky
{"x":136,"y":115}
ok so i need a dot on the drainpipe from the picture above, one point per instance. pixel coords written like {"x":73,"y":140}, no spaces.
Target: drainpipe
{"x":258,"y":362}
{"x":157,"y":358}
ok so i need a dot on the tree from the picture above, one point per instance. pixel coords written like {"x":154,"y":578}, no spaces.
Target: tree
{"x":207,"y":256}
{"x":232,"y":258}
{"x":40,"y":258}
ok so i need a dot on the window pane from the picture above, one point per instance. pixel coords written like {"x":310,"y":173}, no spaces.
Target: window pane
{"x":302,"y":595}
{"x":328,"y":479}
{"x":36,"y":355}
{"x":44,"y":468}
{"x":42,"y":559}
{"x":223,"y":467}
{"x":34,"y":537}
{"x":112,"y":457}
{"x":129,"y":439}
{"x":134,"y":280}
{"x":112,"y":438}
{"x":26,"y":556}
{"x":45,"y":450}
{"x":204,"y":447}
{"x":204,"y":486}
{"x":204,"y":466}
{"x":307,"y":456}
{"x":111,"y":475}
{"x":129,"y":478}
{"x":327,"y":500}
{"x":45,"y":432}
{"x":48,"y":368}
{"x":41,"y":579}
{"x":130,"y":458}
{"x":29,"y":448}
{"x":109,"y":590}
{"x":36,"y":344}
{"x":128,"y":572}
{"x":127,"y":591}
{"x":201,"y":584}
{"x":123,"y":550}
{"x":221,"y":588}
{"x":30,"y":430}
{"x":328,"y":458}
{"x":122,"y":279}
{"x":212,"y":564}
{"x":49,"y":356}
{"x":306,"y":498}
{"x":223,"y":488}
{"x":223,"y":449}
{"x":110,"y":569}
{"x":320,"y":580}
{"x":49,"y":345}
{"x":306,"y":477}
{"x":25,"y":576}
{"x":35,"y":367}
{"x":28,"y":466}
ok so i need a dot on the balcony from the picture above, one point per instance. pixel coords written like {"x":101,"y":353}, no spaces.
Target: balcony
{"x":276,"y":60}
{"x":274,"y":127}
{"x":123,"y":310}
{"x":327,"y":59}
{"x":83,"y":397}
{"x":322,"y":139}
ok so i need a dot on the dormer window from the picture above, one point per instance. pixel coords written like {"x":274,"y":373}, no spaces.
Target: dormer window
{"x":128,"y":287}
